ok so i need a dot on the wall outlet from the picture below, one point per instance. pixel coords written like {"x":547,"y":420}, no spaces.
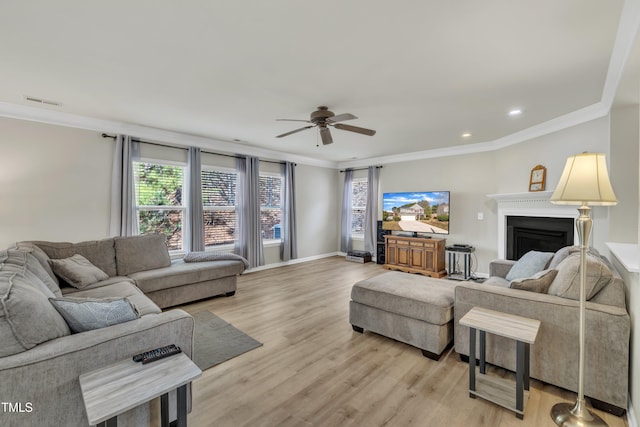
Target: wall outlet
{"x":480,"y":216}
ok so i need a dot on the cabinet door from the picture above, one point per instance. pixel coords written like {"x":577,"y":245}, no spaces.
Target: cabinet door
{"x":430,"y":255}
{"x":404,"y":256}
{"x":416,"y":258}
{"x":391,"y":256}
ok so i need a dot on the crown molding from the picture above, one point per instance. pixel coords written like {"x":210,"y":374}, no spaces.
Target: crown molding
{"x":625,"y":38}
{"x":592,"y":112}
{"x":59,"y":118}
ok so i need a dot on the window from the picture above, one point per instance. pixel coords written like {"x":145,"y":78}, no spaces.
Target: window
{"x":159,"y":200}
{"x":219,"y":199}
{"x":359,"y":188}
{"x":270,"y":206}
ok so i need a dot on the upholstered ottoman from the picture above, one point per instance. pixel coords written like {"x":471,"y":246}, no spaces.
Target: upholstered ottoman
{"x":410,"y":308}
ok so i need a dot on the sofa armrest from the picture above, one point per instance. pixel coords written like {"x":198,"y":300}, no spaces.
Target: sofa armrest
{"x":554,"y":356}
{"x":500,"y":267}
{"x":47,"y":375}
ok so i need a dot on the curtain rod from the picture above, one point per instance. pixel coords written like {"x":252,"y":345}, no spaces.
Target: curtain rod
{"x":359,"y":169}
{"x":106,"y":135}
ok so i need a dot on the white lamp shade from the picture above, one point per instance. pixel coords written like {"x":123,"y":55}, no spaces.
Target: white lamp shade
{"x":585,"y":181}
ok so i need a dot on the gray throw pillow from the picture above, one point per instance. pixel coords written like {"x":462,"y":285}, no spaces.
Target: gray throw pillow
{"x":563,"y":253}
{"x":528,"y":265}
{"x":141,"y":253}
{"x":77,"y":271}
{"x":87,"y":314}
{"x":26,"y":317}
{"x":539,"y":282}
{"x":567,"y":282}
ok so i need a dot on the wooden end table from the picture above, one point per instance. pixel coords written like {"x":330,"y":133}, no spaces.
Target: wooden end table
{"x":115,"y":389}
{"x":521,"y":329}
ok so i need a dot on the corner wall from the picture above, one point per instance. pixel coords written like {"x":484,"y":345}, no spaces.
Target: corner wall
{"x":56,"y":183}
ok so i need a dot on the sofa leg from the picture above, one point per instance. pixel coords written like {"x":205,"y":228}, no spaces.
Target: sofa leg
{"x":430,"y":355}
{"x":607,"y":407}
{"x":230,"y":294}
{"x":357,"y":328}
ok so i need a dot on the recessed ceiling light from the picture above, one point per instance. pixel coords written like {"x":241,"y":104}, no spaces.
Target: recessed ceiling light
{"x":466,"y":134}
{"x":515,"y":112}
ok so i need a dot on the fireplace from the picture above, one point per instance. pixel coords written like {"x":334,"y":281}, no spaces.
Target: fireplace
{"x":545,"y":234}
{"x":532,"y":205}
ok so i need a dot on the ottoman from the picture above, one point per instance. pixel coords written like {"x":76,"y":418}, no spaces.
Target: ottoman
{"x":413,"y":309}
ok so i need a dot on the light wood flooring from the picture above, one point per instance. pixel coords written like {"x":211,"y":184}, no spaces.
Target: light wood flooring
{"x":313,"y":370}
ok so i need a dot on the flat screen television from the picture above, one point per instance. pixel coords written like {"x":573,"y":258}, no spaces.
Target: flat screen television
{"x":416,"y":212}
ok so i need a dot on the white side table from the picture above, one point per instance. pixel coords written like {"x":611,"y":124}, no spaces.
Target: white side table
{"x":521,"y":329}
{"x":115,"y":389}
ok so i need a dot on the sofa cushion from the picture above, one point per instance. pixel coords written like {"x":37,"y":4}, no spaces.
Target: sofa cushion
{"x":70,"y":290}
{"x":529,"y":264}
{"x":22,"y":261}
{"x":180,"y":273}
{"x":141,"y":253}
{"x":100,"y":253}
{"x":539,"y":282}
{"x":77,"y":271}
{"x":567,"y":282}
{"x":497,"y":281}
{"x":87,"y":314}
{"x":26,"y":316}
{"x":120,"y":289}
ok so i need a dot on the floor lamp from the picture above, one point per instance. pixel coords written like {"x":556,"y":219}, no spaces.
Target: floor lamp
{"x":584,"y":182}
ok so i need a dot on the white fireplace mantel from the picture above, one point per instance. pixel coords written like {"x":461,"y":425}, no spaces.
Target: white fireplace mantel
{"x":528,"y":204}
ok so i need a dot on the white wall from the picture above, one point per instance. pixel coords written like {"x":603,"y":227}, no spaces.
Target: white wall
{"x":55,"y":183}
{"x":469,"y":178}
{"x":514,"y":164}
{"x":624,"y":174}
{"x":56,"y":186}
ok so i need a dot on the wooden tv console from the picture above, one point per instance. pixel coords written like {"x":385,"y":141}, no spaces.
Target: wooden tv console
{"x":415,"y":255}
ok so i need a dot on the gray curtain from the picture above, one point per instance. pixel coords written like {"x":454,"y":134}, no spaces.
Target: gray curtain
{"x":195,"y":234}
{"x":371,"y":211}
{"x":124,"y":218}
{"x":289,"y":245}
{"x":248,"y":241}
{"x":345,"y":228}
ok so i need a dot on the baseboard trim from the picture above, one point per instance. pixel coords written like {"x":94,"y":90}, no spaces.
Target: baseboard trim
{"x":631,"y":415}
{"x":291,"y":262}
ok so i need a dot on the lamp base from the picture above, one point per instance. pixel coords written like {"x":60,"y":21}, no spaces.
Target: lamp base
{"x":574,"y":415}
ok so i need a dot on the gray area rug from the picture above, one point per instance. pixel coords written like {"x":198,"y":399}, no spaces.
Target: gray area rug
{"x":216,"y":341}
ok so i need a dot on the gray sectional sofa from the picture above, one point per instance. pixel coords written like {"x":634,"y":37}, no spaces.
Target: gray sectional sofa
{"x":42,"y":351}
{"x":554,"y":356}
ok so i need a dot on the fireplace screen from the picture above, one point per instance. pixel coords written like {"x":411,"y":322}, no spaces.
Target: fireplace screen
{"x":526,"y":233}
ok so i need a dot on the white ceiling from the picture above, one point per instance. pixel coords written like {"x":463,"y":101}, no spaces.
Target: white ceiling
{"x":420,"y":72}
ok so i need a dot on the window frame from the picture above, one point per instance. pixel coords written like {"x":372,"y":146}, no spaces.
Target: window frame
{"x":221,"y":169}
{"x":273,"y":242}
{"x":354,"y":235}
{"x":182,"y":208}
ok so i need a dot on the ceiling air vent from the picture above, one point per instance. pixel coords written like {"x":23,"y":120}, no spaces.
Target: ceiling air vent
{"x":43,"y":101}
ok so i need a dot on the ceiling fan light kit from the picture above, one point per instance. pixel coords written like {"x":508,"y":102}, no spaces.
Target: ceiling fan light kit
{"x":322,"y":118}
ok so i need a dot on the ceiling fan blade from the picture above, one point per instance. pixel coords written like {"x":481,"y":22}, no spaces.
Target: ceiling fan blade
{"x":294,"y":131}
{"x":325,"y":134}
{"x":356,"y":129}
{"x":341,"y":118}
{"x":293,"y":120}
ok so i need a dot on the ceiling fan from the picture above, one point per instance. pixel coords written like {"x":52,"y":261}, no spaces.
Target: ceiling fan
{"x":323,"y":118}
